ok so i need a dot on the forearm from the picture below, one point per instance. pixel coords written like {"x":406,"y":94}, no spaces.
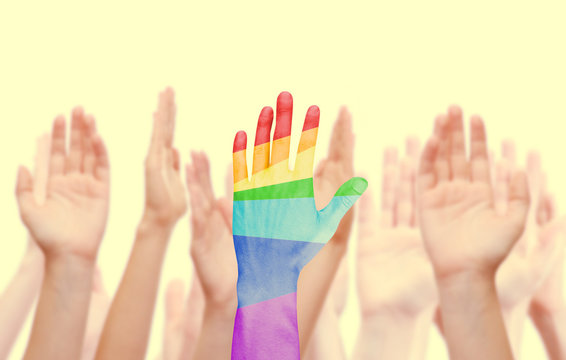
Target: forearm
{"x":18,"y":298}
{"x":314,"y":284}
{"x":326,"y":342}
{"x":128,"y":323}
{"x":215,"y":338}
{"x":472,"y":319}
{"x":552,"y":329}
{"x":393,"y":336}
{"x":60,"y":320}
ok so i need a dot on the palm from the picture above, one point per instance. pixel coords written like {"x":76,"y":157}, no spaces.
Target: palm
{"x":396,"y":251}
{"x":73,"y":216}
{"x":451,"y":215}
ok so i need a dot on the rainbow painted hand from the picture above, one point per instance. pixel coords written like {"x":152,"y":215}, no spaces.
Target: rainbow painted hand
{"x":277,"y":230}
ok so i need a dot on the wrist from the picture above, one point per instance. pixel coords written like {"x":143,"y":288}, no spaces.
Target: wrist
{"x":151,"y":224}
{"x":159,"y":220}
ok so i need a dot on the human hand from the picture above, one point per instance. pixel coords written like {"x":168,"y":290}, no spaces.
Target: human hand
{"x":73,"y":217}
{"x":273,"y":243}
{"x":528,"y":264}
{"x":394,"y":273}
{"x":212,"y":248}
{"x":165,"y":200}
{"x":461,"y":229}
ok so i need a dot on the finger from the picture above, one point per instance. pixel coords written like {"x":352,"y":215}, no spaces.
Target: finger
{"x":225,"y":207}
{"x":404,"y":200}
{"x":342,"y":139}
{"x":426,"y":177}
{"x":97,"y":283}
{"x":283,"y":122}
{"x":24,"y":191}
{"x":89,"y":157}
{"x":239,"y":162}
{"x":41,"y":171}
{"x":228,"y":182}
{"x":366,"y":215}
{"x":262,"y":140}
{"x":102,"y":163}
{"x":75,"y":157}
{"x":534,"y":174}
{"x":509,"y":153}
{"x":176,"y":159}
{"x":168,"y":111}
{"x":479,"y":157}
{"x":550,"y":204}
{"x":58,"y":152}
{"x":307,"y":142}
{"x":501,"y":189}
{"x":388,"y":187}
{"x":343,"y":200}
{"x":202,"y":168}
{"x":519,"y":197}
{"x":442,"y":159}
{"x":458,"y":162}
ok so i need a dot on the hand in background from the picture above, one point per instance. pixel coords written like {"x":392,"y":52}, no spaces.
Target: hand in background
{"x":165,"y":200}
{"x":328,"y":272}
{"x":212,"y":251}
{"x":73,"y":217}
{"x":465,"y":238}
{"x":127,"y":328}
{"x":183,"y":319}
{"x":395,"y":281}
{"x":68,"y":226}
{"x":21,"y":292}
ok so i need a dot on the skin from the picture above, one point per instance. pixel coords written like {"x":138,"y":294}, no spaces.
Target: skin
{"x":18,"y":297}
{"x":332,"y":171}
{"x":315,"y":279}
{"x":212,"y":251}
{"x":547,"y":308}
{"x":127,"y":327}
{"x":523,"y":271}
{"x":68,"y":227}
{"x":465,"y":238}
{"x":183,"y":318}
{"x":397,"y":311}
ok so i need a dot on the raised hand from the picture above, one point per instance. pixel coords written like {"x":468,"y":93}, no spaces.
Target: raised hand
{"x":21,"y":292}
{"x":212,"y":251}
{"x":73,"y":216}
{"x":465,"y":238}
{"x":277,"y":230}
{"x":396,"y":285}
{"x":68,"y":227}
{"x":327,"y":273}
{"x":165,"y":200}
{"x":126,"y":331}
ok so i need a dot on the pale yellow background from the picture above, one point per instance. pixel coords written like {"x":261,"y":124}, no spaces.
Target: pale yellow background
{"x":396,"y":64}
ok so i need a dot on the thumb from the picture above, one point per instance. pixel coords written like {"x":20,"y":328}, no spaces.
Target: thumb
{"x":24,"y":191}
{"x":342,"y":201}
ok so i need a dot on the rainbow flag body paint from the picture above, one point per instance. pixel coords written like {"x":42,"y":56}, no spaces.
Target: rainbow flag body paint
{"x":277,"y":230}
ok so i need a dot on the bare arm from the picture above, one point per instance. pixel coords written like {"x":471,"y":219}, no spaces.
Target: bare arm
{"x":126,"y":330}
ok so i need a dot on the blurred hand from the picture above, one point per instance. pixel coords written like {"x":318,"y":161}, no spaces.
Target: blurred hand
{"x":73,"y":217}
{"x":394,"y":272}
{"x":460,"y":226}
{"x":212,"y":248}
{"x":165,"y":200}
{"x":528,"y":264}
